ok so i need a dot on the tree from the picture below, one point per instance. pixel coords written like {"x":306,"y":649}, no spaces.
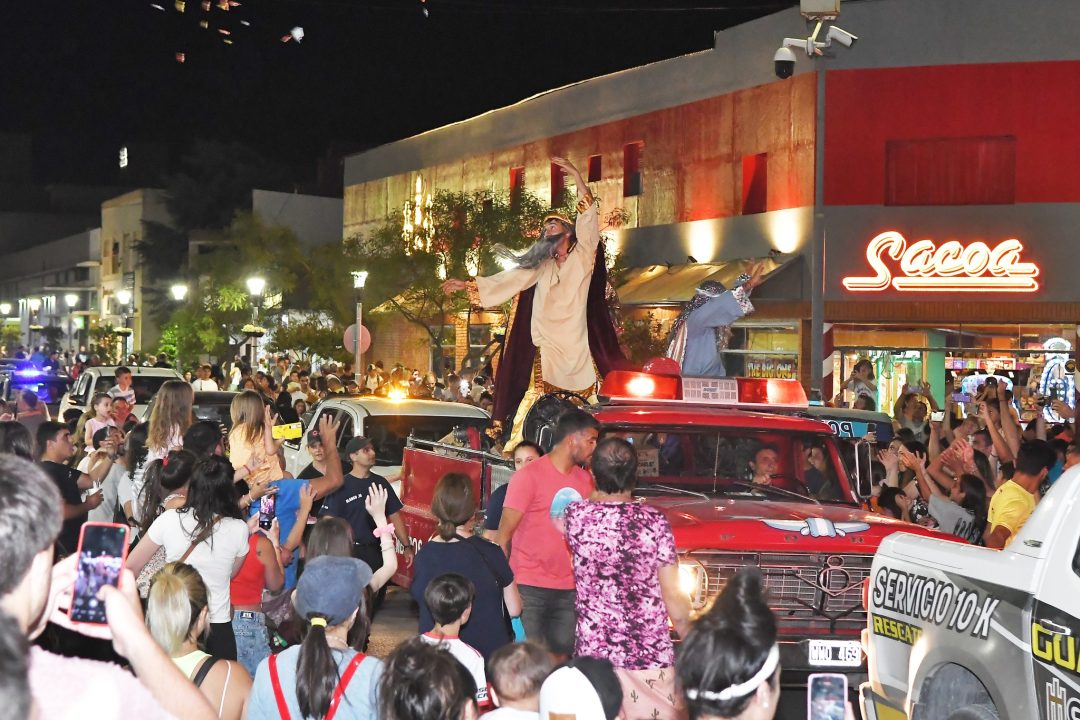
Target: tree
{"x":455,"y":238}
{"x":312,"y":336}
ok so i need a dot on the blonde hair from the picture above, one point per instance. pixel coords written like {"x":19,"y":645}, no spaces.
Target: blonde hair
{"x":178,"y":596}
{"x":171,"y":415}
{"x":246,"y":411}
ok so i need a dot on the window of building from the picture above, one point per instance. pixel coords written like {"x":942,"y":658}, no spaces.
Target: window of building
{"x":558,"y":185}
{"x":517,"y":184}
{"x":632,"y":168}
{"x":951,"y":171}
{"x":755,"y":183}
{"x":595,"y":168}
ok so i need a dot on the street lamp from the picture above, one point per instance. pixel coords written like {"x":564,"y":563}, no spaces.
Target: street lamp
{"x":359,"y":280}
{"x":71,"y":300}
{"x":255,"y":285}
{"x":5,"y":308}
{"x":123,"y":296}
{"x":179,"y":292}
{"x":35,"y":304}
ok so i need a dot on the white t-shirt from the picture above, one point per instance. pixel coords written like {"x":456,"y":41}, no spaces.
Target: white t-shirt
{"x":505,"y":713}
{"x":200,"y":385}
{"x":468,"y":656}
{"x":129,"y":394}
{"x":214,"y":558}
{"x":105,"y":512}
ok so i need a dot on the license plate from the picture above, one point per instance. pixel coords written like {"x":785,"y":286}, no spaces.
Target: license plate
{"x":845,"y":653}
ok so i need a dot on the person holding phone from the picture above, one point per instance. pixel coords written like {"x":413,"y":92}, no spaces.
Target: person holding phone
{"x":33,"y":595}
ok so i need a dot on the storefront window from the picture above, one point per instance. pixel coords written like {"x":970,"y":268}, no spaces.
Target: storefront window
{"x":764,"y":349}
{"x":1038,"y":360}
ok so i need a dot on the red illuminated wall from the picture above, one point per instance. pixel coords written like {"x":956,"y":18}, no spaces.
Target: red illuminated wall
{"x":1038,"y":103}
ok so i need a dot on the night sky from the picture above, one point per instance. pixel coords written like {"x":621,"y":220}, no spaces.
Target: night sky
{"x":87,"y":76}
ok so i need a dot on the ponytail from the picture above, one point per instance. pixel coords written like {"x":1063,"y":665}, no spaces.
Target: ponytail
{"x":316,"y":670}
{"x":453,"y":504}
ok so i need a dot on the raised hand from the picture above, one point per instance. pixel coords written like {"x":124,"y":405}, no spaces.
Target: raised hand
{"x":452,"y":286}
{"x":375,"y":502}
{"x":328,"y":427}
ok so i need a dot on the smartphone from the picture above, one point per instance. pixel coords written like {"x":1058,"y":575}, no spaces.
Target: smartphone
{"x":288,"y":431}
{"x":267,"y":511}
{"x":101,"y":556}
{"x":826,"y":696}
{"x":937,"y":416}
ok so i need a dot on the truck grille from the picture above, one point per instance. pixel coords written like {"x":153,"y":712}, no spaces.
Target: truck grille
{"x":818,"y":593}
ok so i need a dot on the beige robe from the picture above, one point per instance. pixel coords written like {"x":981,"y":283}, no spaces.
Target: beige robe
{"x":559,"y":326}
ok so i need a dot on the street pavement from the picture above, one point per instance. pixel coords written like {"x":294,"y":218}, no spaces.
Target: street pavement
{"x":396,"y":621}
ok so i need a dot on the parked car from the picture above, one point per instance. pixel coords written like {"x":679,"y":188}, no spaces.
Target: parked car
{"x":145,"y":380}
{"x":209,"y":405}
{"x":48,"y":387}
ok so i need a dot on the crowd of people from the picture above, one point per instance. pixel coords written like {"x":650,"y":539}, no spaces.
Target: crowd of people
{"x":259,"y":613}
{"x":977,"y":474}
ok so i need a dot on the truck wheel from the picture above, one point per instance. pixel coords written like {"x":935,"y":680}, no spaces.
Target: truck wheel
{"x":975,"y":712}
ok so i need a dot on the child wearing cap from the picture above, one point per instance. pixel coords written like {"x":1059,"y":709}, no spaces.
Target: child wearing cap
{"x":517,"y":672}
{"x":449,"y":599}
{"x":323,"y":674}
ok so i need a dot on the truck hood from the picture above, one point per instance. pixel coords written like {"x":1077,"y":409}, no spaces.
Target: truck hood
{"x":771,"y":526}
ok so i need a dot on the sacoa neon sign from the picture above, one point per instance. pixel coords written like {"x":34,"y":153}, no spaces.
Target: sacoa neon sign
{"x":926,"y":267}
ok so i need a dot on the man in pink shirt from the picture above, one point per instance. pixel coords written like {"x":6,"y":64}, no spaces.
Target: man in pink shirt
{"x":532,"y":517}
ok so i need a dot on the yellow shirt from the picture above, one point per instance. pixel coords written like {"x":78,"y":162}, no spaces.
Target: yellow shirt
{"x":1010,"y":507}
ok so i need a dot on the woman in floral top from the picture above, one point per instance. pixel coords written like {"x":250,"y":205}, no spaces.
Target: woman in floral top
{"x":627,"y":578}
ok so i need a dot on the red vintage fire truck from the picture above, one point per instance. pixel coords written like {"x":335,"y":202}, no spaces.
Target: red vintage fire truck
{"x":806,"y":530}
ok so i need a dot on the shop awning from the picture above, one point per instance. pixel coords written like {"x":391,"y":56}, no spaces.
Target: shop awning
{"x":659,"y":285}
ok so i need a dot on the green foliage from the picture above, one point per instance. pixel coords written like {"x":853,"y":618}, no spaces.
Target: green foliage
{"x":313,"y":336}
{"x":11,"y":336}
{"x":51,"y":337}
{"x":643,"y":338}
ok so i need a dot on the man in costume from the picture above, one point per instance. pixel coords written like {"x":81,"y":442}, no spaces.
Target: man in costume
{"x":700,"y":333}
{"x":559,"y":284}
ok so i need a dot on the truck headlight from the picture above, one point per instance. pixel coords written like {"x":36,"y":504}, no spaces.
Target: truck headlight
{"x":694,"y":581}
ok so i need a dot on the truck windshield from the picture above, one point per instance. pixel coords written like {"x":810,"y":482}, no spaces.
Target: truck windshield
{"x":145,"y":386}
{"x":768,"y":465}
{"x":390,"y":432}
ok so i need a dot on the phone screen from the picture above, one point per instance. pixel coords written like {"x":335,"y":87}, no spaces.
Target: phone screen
{"x":267,"y":510}
{"x":826,"y":697}
{"x":937,"y":416}
{"x":102,"y":551}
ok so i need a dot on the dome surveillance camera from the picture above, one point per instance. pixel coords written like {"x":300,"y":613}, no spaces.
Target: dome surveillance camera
{"x":784,"y":63}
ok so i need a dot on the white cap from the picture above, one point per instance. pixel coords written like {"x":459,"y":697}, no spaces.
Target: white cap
{"x":567,"y":693}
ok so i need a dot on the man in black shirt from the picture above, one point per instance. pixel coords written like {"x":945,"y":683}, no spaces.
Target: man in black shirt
{"x":348,"y":504}
{"x":54,"y":442}
{"x":317,"y":467}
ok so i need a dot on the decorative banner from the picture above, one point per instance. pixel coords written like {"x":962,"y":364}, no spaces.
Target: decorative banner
{"x":925,"y":267}
{"x":350,"y":338}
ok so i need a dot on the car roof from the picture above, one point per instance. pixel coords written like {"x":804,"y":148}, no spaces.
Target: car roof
{"x":384,"y":406}
{"x":705,"y":416}
{"x":215,"y":395}
{"x":833,"y":413}
{"x":135,"y":370}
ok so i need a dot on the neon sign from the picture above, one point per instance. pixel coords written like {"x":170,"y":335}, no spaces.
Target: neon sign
{"x":925,"y":267}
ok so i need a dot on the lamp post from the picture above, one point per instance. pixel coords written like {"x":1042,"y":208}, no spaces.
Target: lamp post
{"x":5,"y":309}
{"x":359,"y":280}
{"x":71,"y":300}
{"x":179,"y":293}
{"x":123,"y":296}
{"x":256,"y":286}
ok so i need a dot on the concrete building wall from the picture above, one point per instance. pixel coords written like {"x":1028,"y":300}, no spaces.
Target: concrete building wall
{"x":122,"y":228}
{"x":315,"y":220}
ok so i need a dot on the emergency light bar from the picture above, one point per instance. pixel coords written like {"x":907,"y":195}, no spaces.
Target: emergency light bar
{"x":626,"y":386}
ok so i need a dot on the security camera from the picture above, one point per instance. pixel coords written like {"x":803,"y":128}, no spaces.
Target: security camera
{"x":842,"y":36}
{"x":784,"y":63}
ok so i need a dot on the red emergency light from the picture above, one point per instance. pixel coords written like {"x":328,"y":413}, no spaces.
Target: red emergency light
{"x":628,"y":385}
{"x":625,"y":386}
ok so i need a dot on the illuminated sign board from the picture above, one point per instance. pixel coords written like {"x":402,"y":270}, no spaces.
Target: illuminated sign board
{"x":923,"y":266}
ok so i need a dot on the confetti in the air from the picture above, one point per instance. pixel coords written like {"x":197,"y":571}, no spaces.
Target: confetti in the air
{"x":157,"y":7}
{"x":180,"y":57}
{"x":245,"y":23}
{"x":205,"y":25}
{"x":297,"y":34}
{"x":206,"y":6}
{"x":180,"y":5}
